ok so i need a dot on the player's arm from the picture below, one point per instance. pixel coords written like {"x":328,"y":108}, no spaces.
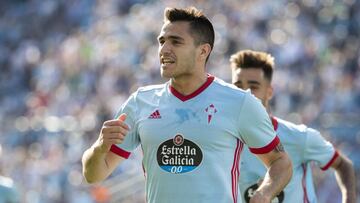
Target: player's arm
{"x":345,"y":176}
{"x":279,"y":172}
{"x":317,"y":148}
{"x":98,"y":162}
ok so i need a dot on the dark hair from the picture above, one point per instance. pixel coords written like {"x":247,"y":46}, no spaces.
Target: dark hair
{"x":201,"y":28}
{"x":254,"y":59}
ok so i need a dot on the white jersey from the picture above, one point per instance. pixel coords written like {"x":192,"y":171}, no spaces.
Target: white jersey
{"x":304,"y":145}
{"x":192,"y":144}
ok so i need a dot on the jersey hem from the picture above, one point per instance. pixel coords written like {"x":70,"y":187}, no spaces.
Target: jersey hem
{"x":267,"y":148}
{"x":117,"y":150}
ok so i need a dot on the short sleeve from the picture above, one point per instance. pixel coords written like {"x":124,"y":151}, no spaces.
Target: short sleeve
{"x":256,"y":128}
{"x":319,"y":150}
{"x":132,"y":139}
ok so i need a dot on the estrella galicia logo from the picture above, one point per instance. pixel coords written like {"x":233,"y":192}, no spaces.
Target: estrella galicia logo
{"x":251,"y":191}
{"x":179,"y":155}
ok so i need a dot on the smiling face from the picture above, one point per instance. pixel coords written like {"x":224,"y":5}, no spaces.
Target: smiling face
{"x":177,"y":51}
{"x":253,"y":79}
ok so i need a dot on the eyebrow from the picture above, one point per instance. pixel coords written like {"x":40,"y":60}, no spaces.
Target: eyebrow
{"x":173,"y":37}
{"x":254,"y":82}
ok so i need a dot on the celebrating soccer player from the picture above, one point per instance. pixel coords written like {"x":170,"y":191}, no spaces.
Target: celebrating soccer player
{"x":253,"y":70}
{"x":192,"y":128}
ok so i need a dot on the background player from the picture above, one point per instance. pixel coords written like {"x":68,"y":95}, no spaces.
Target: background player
{"x":253,"y":70}
{"x":8,"y":191}
{"x":192,"y":128}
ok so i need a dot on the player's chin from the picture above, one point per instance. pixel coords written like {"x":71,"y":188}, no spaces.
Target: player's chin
{"x":166,"y":73}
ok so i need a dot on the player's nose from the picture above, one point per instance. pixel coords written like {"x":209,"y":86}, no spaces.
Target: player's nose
{"x":164,"y":48}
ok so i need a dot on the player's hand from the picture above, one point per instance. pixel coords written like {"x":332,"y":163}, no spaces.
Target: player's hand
{"x":112,"y":132}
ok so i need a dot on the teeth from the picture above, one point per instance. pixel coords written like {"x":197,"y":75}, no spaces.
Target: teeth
{"x":167,"y":61}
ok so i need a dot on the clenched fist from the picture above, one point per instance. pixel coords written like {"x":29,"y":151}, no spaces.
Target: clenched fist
{"x":112,"y":132}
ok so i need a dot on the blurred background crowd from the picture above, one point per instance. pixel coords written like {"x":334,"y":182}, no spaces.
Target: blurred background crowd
{"x":67,"y":66}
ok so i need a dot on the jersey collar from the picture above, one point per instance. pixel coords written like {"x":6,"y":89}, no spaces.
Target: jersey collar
{"x":183,"y":98}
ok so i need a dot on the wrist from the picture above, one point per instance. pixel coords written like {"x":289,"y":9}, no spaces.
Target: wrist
{"x":99,"y":148}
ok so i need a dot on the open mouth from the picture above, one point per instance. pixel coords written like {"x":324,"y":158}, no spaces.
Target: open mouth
{"x":167,"y":61}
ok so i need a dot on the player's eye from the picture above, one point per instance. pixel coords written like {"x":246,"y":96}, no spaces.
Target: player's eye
{"x":254,"y":87}
{"x":238,"y":84}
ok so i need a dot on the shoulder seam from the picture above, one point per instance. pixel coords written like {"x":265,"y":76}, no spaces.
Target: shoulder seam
{"x":151,"y":87}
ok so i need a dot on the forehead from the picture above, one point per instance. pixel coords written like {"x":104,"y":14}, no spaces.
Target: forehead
{"x":177,"y":28}
{"x":249,"y":73}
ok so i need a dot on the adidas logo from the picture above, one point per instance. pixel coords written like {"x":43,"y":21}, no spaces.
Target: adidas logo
{"x":155,"y":115}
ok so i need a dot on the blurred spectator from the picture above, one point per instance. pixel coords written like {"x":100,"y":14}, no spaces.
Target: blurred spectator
{"x":61,"y":60}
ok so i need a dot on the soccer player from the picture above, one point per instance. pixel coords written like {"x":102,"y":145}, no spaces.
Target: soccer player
{"x":8,"y":191}
{"x":192,"y":128}
{"x":253,"y":70}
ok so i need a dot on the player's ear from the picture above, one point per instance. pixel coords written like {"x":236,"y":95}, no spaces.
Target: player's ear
{"x":204,"y":50}
{"x":269,"y":92}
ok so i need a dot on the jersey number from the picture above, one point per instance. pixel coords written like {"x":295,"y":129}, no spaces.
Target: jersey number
{"x":176,"y":169}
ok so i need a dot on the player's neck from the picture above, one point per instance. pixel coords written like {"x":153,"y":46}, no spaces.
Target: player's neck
{"x":267,"y":107}
{"x":189,"y":83}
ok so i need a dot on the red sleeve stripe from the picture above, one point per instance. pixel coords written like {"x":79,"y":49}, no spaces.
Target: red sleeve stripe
{"x":267,"y":148}
{"x":117,"y":150}
{"x":327,"y":166}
